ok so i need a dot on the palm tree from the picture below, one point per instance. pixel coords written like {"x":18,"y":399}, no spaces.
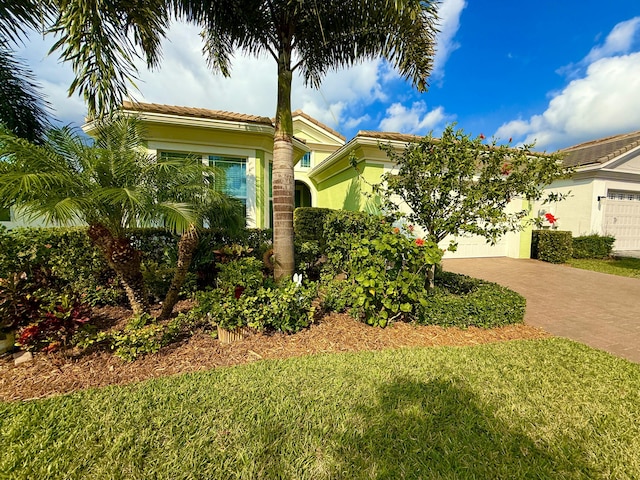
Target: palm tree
{"x":111,"y":185}
{"x":23,"y":109}
{"x":311,"y":36}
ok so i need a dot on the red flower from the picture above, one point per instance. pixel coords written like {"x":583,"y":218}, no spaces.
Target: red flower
{"x":410,"y":228}
{"x":550,"y":218}
{"x":482,"y":137}
{"x":396,"y":230}
{"x":510,"y":139}
{"x":419,"y":242}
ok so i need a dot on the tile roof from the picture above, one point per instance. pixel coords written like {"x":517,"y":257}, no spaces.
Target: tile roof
{"x":300,"y":113}
{"x":601,"y":150}
{"x":391,"y":136}
{"x":195,"y":112}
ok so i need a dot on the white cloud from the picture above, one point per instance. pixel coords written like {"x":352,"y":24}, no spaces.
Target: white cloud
{"x":620,"y":41}
{"x":449,"y":12}
{"x":605,"y":101}
{"x":416,"y":119}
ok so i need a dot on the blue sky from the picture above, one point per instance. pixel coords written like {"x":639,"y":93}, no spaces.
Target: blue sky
{"x":554,"y":72}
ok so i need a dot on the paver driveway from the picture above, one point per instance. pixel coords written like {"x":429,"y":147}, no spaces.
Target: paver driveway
{"x":598,"y":309}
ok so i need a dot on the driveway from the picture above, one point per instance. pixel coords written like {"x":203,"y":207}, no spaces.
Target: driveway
{"x":597,"y":309}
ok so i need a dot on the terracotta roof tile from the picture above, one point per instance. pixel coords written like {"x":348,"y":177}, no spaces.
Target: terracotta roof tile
{"x":391,"y":136}
{"x":601,"y":150}
{"x":195,"y":112}
{"x":300,"y":113}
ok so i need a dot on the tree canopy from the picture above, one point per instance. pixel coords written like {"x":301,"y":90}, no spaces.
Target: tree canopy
{"x":23,"y":108}
{"x":456,"y":185}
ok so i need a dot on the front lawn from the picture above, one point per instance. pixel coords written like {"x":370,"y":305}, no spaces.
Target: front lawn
{"x":523,"y":409}
{"x":625,"y":267}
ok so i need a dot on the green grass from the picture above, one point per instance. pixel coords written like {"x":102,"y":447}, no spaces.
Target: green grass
{"x":527,"y":409}
{"x":625,"y":267}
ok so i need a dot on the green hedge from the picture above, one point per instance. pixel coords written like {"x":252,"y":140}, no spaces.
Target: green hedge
{"x":67,"y":256}
{"x":554,"y":246}
{"x":308,"y":223}
{"x":461,"y":301}
{"x":593,"y":246}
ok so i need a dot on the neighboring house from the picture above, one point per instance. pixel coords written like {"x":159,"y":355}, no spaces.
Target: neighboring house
{"x":604,"y":192}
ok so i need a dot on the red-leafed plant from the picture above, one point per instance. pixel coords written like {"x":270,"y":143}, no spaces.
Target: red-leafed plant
{"x":54,"y":325}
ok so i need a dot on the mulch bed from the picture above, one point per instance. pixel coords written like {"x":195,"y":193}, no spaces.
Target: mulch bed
{"x":56,"y":373}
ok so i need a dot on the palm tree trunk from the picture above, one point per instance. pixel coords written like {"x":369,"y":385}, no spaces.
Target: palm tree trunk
{"x":283,"y":181}
{"x":186,"y":248}
{"x":125,"y":261}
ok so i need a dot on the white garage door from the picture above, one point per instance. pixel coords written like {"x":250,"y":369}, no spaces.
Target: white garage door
{"x":622,"y":219}
{"x":474,"y":247}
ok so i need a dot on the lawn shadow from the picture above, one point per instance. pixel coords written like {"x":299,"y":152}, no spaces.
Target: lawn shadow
{"x":440,"y":429}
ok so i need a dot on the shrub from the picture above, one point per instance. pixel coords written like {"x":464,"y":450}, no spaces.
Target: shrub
{"x":335,"y":295}
{"x":388,"y":276}
{"x":463,"y":301}
{"x":553,"y":246}
{"x":144,"y":334}
{"x":308,"y":223}
{"x":245,"y":273}
{"x":593,"y":246}
{"x":343,"y":229}
{"x":286,"y":308}
{"x":54,"y":325}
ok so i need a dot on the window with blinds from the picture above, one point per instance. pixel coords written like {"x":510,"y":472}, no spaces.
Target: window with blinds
{"x":232,"y":177}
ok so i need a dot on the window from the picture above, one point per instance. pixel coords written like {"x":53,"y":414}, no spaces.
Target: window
{"x":305,"y":162}
{"x":5,"y":215}
{"x":233,"y":176}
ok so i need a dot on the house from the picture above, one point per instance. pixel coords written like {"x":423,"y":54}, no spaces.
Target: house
{"x":604,"y":192}
{"x":241,"y":145}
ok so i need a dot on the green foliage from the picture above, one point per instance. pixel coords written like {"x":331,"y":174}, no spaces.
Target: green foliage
{"x":143,"y":335}
{"x":70,"y":263}
{"x":343,"y":228}
{"x":285,"y":308}
{"x":19,"y":301}
{"x":308,"y":223}
{"x":244,"y":272}
{"x":461,"y":301}
{"x":592,"y":246}
{"x":309,"y":258}
{"x":554,"y":246}
{"x":389,"y":276}
{"x":457,"y":185}
{"x":335,"y":295}
{"x":65,"y":256}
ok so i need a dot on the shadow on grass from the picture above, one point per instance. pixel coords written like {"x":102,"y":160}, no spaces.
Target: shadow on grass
{"x":441,"y":430}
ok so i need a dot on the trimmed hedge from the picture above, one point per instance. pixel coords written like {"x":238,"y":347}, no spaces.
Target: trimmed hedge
{"x":593,"y":246}
{"x":308,"y":223}
{"x":462,"y":301}
{"x":67,"y":257}
{"x":554,"y":246}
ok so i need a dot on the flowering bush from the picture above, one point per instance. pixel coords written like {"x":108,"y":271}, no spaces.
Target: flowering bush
{"x":389,"y":276}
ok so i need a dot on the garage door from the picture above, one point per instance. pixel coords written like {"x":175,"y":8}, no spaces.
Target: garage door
{"x":622,"y":219}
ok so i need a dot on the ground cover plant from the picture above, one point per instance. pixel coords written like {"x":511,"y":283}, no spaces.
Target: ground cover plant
{"x":526,"y":409}
{"x":625,"y":267}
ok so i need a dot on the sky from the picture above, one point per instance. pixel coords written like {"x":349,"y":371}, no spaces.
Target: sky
{"x":552,"y":72}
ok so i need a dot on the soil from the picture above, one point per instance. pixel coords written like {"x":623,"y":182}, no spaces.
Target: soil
{"x":59,"y":373}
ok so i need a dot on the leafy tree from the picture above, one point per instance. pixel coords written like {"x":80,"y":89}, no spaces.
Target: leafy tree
{"x":458,"y":185}
{"x":102,"y":40}
{"x":22,"y":106}
{"x":111,"y":185}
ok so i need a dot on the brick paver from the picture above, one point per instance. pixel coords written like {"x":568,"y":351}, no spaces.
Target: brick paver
{"x":597,"y":309}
